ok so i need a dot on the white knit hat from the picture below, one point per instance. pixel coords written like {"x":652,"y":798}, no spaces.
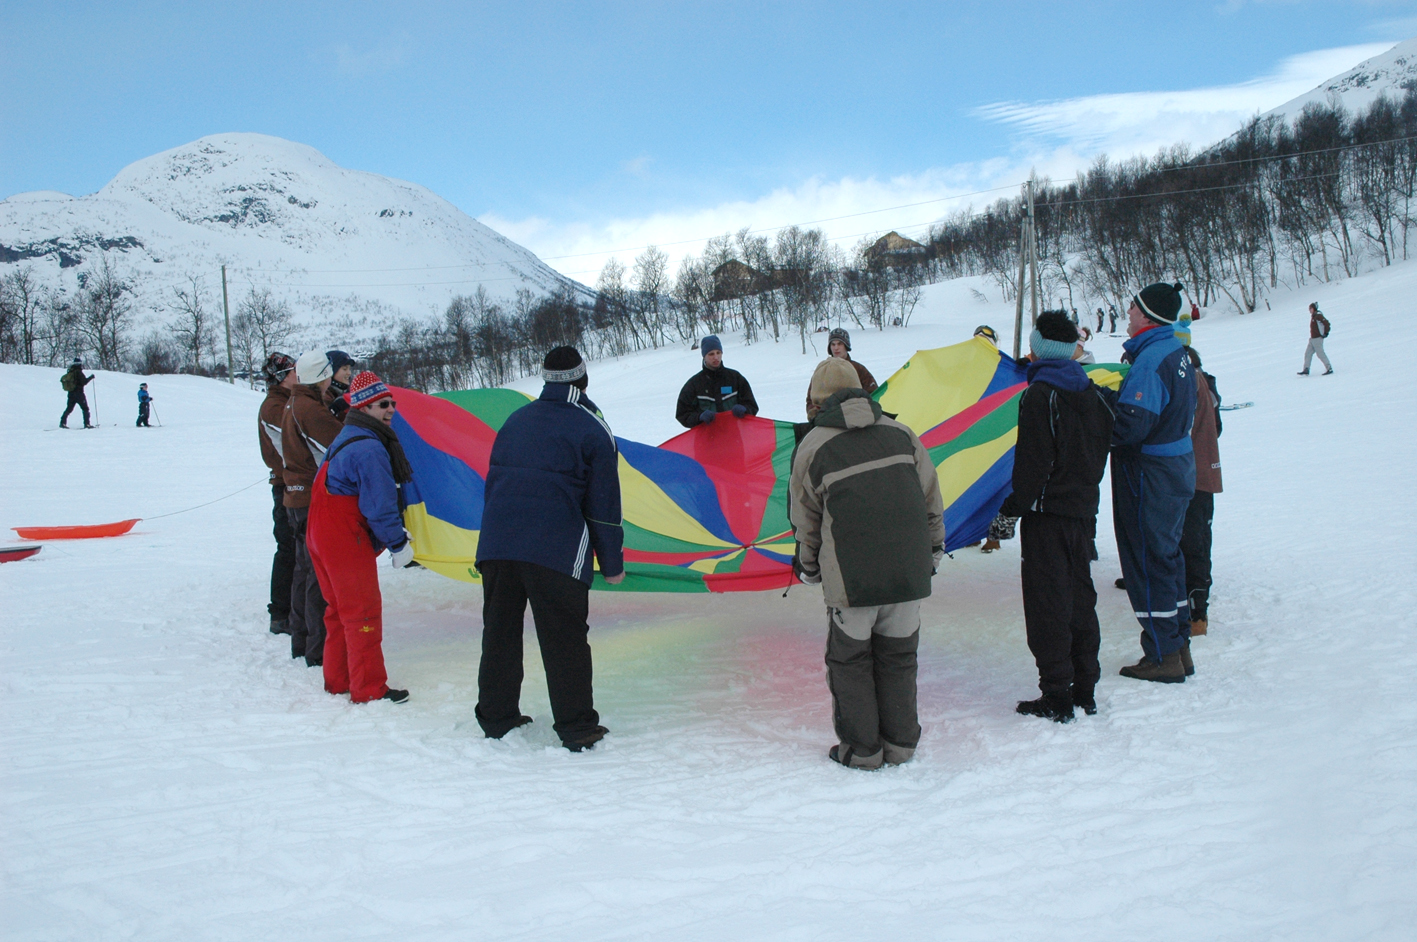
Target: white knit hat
{"x":313,"y":367}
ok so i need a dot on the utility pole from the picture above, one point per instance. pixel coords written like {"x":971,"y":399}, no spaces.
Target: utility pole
{"x":226,"y":312}
{"x":1027,"y":269}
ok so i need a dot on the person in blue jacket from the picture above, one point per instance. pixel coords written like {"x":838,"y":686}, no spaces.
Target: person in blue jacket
{"x":144,"y":404}
{"x":1153,"y":479}
{"x":551,"y":507}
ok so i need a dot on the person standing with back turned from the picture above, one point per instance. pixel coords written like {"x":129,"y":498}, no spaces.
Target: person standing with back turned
{"x":552,"y":507}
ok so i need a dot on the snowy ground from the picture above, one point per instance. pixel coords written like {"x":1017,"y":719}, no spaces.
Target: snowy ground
{"x":169,"y":772}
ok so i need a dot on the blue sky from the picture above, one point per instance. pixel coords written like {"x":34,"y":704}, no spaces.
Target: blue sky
{"x":587,"y":126}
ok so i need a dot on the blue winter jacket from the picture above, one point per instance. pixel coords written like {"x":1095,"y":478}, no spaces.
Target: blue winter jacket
{"x":553,"y":488}
{"x":143,"y":396}
{"x":1157,"y":402}
{"x":362,"y":469}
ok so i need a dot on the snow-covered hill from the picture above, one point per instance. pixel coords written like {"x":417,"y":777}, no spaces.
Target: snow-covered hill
{"x":170,"y":773}
{"x":336,"y":244}
{"x":1361,"y":85}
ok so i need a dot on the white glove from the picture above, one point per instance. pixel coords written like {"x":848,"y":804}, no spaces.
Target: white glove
{"x":402,"y":556}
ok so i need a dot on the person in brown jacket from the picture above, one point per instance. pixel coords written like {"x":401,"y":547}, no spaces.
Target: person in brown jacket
{"x":1318,"y":333}
{"x":839,"y":346}
{"x":280,"y":377}
{"x":1196,"y":528}
{"x":306,"y":431}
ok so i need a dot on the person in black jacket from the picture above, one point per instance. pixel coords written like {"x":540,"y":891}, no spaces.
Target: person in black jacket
{"x":714,"y":389}
{"x":74,"y":382}
{"x":1064,"y":433}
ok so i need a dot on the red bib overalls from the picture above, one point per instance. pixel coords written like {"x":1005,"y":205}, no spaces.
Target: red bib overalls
{"x":342,"y":550}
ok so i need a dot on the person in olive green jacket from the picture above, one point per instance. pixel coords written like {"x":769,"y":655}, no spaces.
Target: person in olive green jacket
{"x":865,"y":502}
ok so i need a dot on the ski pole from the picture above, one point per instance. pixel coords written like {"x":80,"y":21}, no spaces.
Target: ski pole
{"x":95,"y":399}
{"x":155,"y":415}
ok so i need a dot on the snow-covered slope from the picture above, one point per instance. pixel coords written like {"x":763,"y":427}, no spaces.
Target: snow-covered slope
{"x":335,"y":243}
{"x":1361,"y":85}
{"x":169,"y":773}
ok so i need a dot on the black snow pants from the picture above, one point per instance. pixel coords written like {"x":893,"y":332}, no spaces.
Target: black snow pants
{"x":307,"y":603}
{"x":1195,"y":546}
{"x":283,"y":564}
{"x":143,"y":409}
{"x":1059,"y":601}
{"x":560,"y":607}
{"x":76,"y":398}
{"x":871,"y":671}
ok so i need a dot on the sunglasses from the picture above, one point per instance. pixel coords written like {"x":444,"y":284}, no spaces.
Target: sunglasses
{"x":385,"y":404}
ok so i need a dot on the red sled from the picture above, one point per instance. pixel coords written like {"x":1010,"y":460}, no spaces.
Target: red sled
{"x":76,"y":533}
{"x":10,"y":554}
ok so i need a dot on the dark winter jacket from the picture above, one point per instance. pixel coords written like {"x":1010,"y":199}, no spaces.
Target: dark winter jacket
{"x":1318,"y":325}
{"x":306,"y":431}
{"x":863,"y":376}
{"x":865,"y":501}
{"x":268,"y":428}
{"x":335,"y":401}
{"x":1205,"y":434}
{"x":553,"y":488}
{"x":713,"y":391}
{"x":1157,"y":402}
{"x":1064,"y":433}
{"x":78,"y":380}
{"x":359,"y":466}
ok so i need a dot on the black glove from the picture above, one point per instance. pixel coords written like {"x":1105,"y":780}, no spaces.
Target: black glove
{"x":740,"y":410}
{"x":804,"y":575}
{"x":706,"y":416}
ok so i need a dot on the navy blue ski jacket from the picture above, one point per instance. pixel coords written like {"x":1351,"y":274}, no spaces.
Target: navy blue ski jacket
{"x":553,"y":488}
{"x":362,"y":469}
{"x":1157,"y":402}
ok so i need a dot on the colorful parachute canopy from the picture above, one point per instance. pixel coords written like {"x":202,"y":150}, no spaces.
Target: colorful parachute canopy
{"x":707,"y":510}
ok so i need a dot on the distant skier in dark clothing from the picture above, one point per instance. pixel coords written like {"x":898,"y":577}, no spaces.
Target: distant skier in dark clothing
{"x":1153,"y":478}
{"x":144,"y":404}
{"x":551,"y":510}
{"x":74,"y":382}
{"x":714,"y":389}
{"x":1099,"y":320}
{"x":280,"y":378}
{"x":356,"y":510}
{"x":1111,"y":318}
{"x":1064,"y":433}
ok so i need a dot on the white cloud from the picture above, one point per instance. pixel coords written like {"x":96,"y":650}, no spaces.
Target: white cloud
{"x":1058,"y":139}
{"x":1142,"y":122}
{"x":376,"y":60}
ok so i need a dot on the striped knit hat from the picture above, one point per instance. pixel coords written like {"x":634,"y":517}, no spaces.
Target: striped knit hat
{"x":366,"y":388}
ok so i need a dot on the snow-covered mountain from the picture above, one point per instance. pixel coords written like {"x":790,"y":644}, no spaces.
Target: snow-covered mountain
{"x":338,"y":245}
{"x":1361,"y":85}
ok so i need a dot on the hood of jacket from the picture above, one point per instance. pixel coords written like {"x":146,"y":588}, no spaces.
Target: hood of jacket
{"x":1064,"y":374}
{"x":848,"y":408}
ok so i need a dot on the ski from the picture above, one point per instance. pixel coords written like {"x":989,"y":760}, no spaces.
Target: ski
{"x":1238,"y":405}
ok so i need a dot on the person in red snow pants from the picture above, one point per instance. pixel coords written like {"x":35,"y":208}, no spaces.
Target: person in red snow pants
{"x":344,"y":556}
{"x":355,"y":512}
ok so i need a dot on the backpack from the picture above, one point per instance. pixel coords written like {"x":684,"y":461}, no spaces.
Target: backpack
{"x":68,"y":381}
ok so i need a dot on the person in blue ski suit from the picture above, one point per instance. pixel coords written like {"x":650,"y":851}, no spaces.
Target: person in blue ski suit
{"x":1153,"y":479}
{"x":144,"y":404}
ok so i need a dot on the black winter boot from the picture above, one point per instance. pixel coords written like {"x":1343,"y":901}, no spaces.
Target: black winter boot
{"x":1057,"y":707}
{"x":1085,"y":700}
{"x":1120,"y":583}
{"x":847,"y":756}
{"x":1186,"y":662}
{"x":587,"y":741}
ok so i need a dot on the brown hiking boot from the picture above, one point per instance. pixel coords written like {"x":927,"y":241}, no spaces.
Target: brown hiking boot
{"x":989,"y":546}
{"x":1169,"y":670}
{"x":1186,"y":663}
{"x":1198,"y":626}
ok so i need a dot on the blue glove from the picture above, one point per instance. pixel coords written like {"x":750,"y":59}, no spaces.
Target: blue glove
{"x":706,"y":417}
{"x":740,"y":410}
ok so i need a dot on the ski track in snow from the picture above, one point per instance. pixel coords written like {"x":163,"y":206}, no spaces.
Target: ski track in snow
{"x":170,"y":773}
